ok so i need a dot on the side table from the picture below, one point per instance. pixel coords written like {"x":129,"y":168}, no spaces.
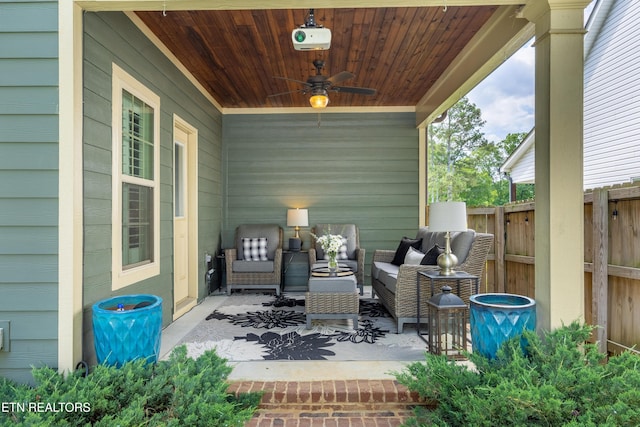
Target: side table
{"x":434,"y":276}
{"x":221,"y":269}
{"x":295,"y":270}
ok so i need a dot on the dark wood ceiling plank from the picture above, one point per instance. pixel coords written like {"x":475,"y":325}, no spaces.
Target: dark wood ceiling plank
{"x":398,"y":29}
{"x":236,"y":54}
{"x":219,"y":26}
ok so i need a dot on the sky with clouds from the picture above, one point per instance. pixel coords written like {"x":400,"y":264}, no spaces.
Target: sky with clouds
{"x":506,"y":97}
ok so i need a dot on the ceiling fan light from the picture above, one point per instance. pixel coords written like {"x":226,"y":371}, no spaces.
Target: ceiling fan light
{"x":319,"y":100}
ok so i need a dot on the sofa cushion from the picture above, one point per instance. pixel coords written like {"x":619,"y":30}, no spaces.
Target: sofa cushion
{"x":387,"y":274}
{"x":334,"y":285}
{"x":376,"y":267}
{"x":461,"y":244}
{"x":254,"y":248}
{"x":241,"y":266}
{"x":403,"y":247}
{"x":430,"y":238}
{"x":413,"y":256}
{"x":460,"y":241}
{"x":431,"y":257}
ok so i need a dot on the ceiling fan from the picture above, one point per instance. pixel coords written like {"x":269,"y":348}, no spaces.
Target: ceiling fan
{"x":319,"y":86}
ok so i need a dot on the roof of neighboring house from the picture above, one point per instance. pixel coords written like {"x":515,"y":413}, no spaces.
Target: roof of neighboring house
{"x":595,"y":22}
{"x":521,"y":171}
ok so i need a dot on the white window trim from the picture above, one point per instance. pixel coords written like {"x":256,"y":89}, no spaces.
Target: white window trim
{"x":121,"y":80}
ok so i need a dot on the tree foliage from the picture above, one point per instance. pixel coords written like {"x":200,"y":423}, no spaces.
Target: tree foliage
{"x":463,"y":164}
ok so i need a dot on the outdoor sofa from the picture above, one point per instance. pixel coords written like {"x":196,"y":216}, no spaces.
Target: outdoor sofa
{"x":396,"y":285}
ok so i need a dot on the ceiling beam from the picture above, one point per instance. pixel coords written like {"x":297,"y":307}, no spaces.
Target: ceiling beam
{"x":147,"y":5}
{"x":498,"y":39}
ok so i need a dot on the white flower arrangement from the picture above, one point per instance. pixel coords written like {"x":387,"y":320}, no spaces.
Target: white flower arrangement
{"x":330,"y":243}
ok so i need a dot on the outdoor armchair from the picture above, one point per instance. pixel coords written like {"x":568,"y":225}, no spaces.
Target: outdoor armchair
{"x":352,"y":257}
{"x":256,"y":260}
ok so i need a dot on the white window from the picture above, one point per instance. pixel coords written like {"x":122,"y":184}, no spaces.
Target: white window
{"x":136,"y":181}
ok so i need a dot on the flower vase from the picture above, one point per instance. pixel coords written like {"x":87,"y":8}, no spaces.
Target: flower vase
{"x":332,"y":264}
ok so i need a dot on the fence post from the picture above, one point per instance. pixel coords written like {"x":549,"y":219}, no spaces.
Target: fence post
{"x":600,"y":276}
{"x":499,"y":249}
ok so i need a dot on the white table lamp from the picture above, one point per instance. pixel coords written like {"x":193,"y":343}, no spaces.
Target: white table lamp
{"x":297,"y":218}
{"x":447,"y":217}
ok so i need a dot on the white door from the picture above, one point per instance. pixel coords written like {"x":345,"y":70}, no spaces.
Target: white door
{"x":185,"y":237}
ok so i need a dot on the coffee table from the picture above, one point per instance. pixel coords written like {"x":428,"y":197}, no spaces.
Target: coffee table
{"x":332,"y":297}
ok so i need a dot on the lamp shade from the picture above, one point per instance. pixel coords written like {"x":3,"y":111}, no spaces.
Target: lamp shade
{"x":297,"y":218}
{"x":448,"y":216}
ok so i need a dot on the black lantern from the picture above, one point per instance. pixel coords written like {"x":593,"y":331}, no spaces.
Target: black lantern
{"x":447,"y":324}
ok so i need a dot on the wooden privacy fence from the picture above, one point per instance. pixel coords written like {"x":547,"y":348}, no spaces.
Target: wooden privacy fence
{"x":611,"y":259}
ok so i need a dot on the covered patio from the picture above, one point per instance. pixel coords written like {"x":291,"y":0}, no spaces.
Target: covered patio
{"x":558,"y":29}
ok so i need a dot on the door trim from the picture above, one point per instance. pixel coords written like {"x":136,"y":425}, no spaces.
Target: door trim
{"x":191,"y":205}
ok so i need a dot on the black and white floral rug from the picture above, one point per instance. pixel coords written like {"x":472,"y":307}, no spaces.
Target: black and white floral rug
{"x":264,"y":327}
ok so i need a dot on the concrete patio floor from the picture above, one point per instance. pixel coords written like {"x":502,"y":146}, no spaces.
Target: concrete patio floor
{"x":285,"y":370}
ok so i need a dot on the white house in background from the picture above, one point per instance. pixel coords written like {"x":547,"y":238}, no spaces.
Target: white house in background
{"x":520,"y":165}
{"x":611,"y":101}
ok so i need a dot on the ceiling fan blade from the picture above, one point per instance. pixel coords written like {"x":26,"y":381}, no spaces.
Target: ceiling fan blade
{"x":293,"y":80}
{"x":351,"y":89}
{"x":340,"y":77}
{"x":286,"y":93}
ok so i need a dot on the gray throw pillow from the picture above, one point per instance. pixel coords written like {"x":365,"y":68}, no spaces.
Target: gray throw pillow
{"x":413,"y":257}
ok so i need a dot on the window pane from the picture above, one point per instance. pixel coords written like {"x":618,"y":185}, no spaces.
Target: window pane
{"x":137,"y":225}
{"x":137,"y":137}
{"x":178,"y":190}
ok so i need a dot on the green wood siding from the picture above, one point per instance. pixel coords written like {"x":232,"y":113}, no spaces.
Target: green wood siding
{"x":29,"y":185}
{"x":112,"y":37}
{"x":354,"y":168}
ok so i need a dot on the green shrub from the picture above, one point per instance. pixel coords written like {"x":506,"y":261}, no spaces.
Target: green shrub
{"x":560,"y":381}
{"x":176,"y":392}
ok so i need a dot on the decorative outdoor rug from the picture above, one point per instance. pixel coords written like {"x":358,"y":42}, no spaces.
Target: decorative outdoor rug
{"x":265,"y":327}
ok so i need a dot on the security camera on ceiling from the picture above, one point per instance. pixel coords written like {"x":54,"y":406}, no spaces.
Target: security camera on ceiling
{"x":311,"y":36}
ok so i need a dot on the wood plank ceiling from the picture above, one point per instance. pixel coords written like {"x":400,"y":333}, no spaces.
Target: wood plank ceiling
{"x":237,"y":54}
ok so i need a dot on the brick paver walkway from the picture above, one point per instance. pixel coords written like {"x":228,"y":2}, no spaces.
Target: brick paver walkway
{"x":334,"y":403}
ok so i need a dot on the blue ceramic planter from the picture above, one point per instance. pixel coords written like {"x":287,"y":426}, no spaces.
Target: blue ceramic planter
{"x":495,"y":318}
{"x":131,"y":333}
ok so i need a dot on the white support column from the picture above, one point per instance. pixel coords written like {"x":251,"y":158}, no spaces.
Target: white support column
{"x":423,"y":174}
{"x":70,"y":214}
{"x":559,"y":214}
